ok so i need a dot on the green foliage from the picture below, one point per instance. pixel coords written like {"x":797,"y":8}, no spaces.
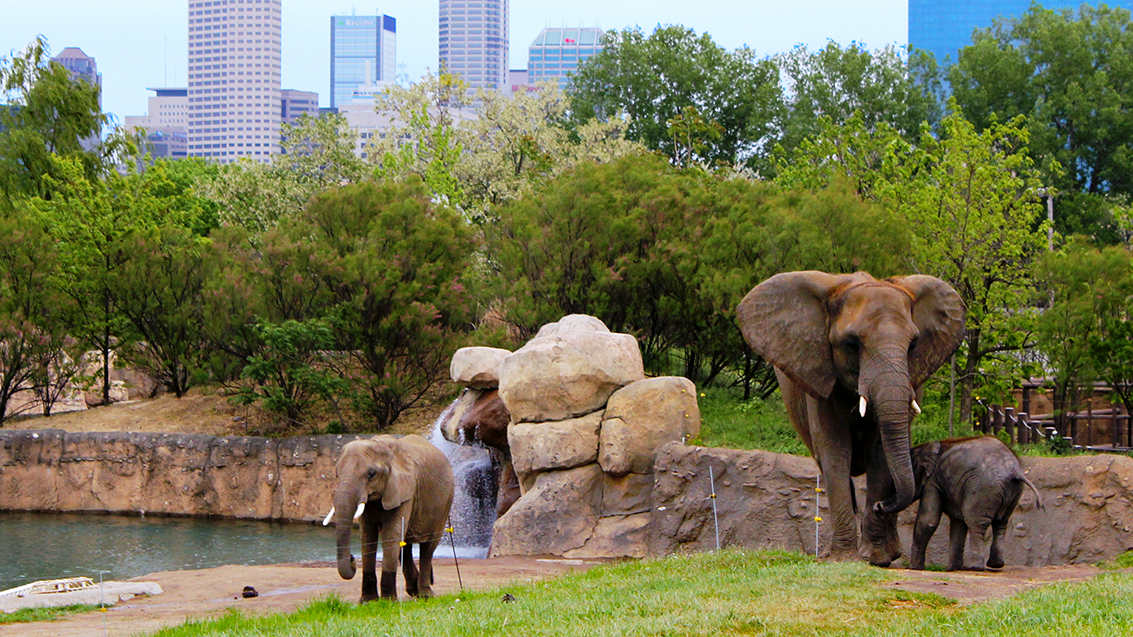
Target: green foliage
{"x":293,"y":369}
{"x":1086,"y":333}
{"x":726,"y":420}
{"x":890,"y":86}
{"x":1068,"y":73}
{"x":45,"y":113}
{"x":1125,"y":560}
{"x":672,"y":78}
{"x":41,"y":614}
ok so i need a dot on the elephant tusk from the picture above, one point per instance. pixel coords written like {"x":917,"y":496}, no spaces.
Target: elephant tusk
{"x":916,"y":407}
{"x":357,"y":514}
{"x":861,"y":406}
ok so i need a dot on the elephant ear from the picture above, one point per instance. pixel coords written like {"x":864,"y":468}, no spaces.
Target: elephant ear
{"x":785,"y":320}
{"x":925,"y":459}
{"x":938,"y":313}
{"x":402,"y":481}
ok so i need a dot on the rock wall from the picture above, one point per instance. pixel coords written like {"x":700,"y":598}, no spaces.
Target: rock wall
{"x":767,"y":500}
{"x":177,"y":474}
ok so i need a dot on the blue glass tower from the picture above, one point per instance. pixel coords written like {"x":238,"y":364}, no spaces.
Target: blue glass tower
{"x":556,"y":53}
{"x":945,"y":26}
{"x":362,"y":53}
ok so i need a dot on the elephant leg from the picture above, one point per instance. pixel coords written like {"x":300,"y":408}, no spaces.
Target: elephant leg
{"x":879,"y":531}
{"x":833,"y":449}
{"x":977,"y":537}
{"x":995,"y":557}
{"x":370,"y":532}
{"x":928,"y":519}
{"x":391,"y":550}
{"x":409,"y":569}
{"x":425,"y":581}
{"x":957,"y":535}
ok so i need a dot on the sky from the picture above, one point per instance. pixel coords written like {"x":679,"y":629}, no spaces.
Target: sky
{"x":143,"y":43}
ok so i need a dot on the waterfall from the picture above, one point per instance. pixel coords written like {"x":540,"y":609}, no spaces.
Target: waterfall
{"x":476,"y":474}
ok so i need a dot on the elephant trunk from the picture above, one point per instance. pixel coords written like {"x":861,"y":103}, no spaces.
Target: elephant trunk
{"x":891,"y":395}
{"x":345,"y":502}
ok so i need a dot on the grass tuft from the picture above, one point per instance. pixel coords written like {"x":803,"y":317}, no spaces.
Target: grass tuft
{"x":25,"y":615}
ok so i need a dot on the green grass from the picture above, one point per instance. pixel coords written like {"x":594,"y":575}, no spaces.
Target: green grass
{"x":731,"y":592}
{"x":726,"y":420}
{"x":44,"y":614}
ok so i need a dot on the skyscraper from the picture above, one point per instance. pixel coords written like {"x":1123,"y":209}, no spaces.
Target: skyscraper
{"x":82,"y":67}
{"x":166,"y":122}
{"x":473,"y":41}
{"x":234,"y":79}
{"x":556,"y":53}
{"x":945,"y":27}
{"x":363,"y":53}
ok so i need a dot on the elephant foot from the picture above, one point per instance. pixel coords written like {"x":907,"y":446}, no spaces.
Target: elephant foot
{"x":841,"y":554}
{"x":389,"y":586}
{"x":367,"y":598}
{"x":424,"y":593}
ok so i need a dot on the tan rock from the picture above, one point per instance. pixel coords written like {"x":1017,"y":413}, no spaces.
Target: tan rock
{"x":562,"y":444}
{"x":477,"y":367}
{"x":573,"y":324}
{"x":642,"y":417}
{"x":616,"y":536}
{"x":567,"y":372}
{"x":628,"y":494}
{"x":556,"y":516}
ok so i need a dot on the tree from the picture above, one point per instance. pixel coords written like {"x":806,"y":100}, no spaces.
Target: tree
{"x":1087,"y":332}
{"x":319,"y":152}
{"x":893,"y":86}
{"x":45,"y":113}
{"x":969,"y":201}
{"x":654,"y":80}
{"x":396,"y":260}
{"x":1070,"y":75}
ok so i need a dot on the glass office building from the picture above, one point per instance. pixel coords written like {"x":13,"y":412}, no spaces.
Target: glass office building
{"x":234,"y":79}
{"x":473,"y":41}
{"x":945,"y":27}
{"x":556,"y":53}
{"x":363,"y":52}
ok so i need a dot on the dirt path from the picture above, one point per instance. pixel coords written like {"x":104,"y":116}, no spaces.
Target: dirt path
{"x":282,"y":588}
{"x":970,"y":587}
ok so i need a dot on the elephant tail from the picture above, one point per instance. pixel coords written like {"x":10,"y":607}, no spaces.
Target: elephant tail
{"x":1038,"y":497}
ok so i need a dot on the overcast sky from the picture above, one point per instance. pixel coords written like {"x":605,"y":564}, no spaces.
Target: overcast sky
{"x":143,"y":43}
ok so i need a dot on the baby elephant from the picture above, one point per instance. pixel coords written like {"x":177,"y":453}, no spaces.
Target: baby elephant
{"x":978,"y":482}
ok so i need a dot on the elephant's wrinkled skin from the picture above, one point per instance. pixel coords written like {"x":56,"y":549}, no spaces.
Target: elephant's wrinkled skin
{"x":977,"y":482}
{"x":406,"y":485}
{"x":851,"y":353}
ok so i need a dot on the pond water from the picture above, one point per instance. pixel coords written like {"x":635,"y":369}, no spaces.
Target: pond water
{"x":35,"y":546}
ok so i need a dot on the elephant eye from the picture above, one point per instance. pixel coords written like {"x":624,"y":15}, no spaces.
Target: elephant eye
{"x":852,"y":343}
{"x":372,"y":472}
{"x":912,"y":344}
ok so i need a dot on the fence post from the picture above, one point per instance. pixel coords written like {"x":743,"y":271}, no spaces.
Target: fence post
{"x":1009,"y":422}
{"x":996,"y":420}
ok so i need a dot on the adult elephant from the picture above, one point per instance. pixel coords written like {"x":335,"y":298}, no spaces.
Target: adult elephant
{"x":851,"y":353}
{"x":402,"y":490}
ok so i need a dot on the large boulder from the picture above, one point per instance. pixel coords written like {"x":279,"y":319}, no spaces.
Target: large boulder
{"x":557,"y":515}
{"x":562,"y":444}
{"x":477,"y":367}
{"x":569,"y":369}
{"x":642,"y":417}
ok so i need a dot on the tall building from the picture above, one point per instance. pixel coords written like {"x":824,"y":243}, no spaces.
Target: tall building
{"x":82,"y":67}
{"x":363,"y":54}
{"x":295,"y":104}
{"x":556,"y":53}
{"x":234,"y":79}
{"x":945,"y":27}
{"x":473,"y":41}
{"x":166,"y":124}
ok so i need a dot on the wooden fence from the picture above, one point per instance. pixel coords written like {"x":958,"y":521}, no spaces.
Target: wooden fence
{"x":1103,"y":429}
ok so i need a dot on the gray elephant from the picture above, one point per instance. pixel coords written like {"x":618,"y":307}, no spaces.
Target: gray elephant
{"x":977,"y":482}
{"x":851,"y":353}
{"x":402,"y":490}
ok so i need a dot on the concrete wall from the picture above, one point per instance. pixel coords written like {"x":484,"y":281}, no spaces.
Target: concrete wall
{"x":180,"y":474}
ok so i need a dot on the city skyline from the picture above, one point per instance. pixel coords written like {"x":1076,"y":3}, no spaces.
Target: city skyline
{"x":142,"y":44}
